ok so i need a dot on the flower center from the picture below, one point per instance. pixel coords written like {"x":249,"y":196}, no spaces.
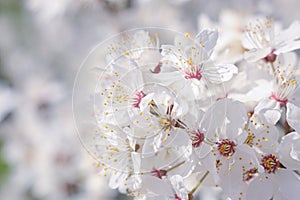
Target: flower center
{"x":226,"y":147}
{"x":249,"y":174}
{"x":271,"y":57}
{"x":166,"y":123}
{"x":138,"y":98}
{"x":193,"y":73}
{"x":270,"y":163}
{"x":197,"y":138}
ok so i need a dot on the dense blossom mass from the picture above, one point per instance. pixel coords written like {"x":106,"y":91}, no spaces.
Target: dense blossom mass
{"x":205,"y":106}
{"x":171,"y":118}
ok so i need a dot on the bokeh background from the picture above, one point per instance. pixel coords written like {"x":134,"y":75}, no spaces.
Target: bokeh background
{"x":42,"y":45}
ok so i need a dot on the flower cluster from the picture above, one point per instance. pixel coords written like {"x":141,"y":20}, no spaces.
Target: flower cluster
{"x":217,"y":111}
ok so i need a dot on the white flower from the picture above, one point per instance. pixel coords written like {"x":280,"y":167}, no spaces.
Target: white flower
{"x":117,"y":149}
{"x":273,"y":180}
{"x":235,"y":141}
{"x":224,"y":126}
{"x":138,"y":47}
{"x":261,"y":137}
{"x":186,"y":68}
{"x":270,"y":174}
{"x":283,"y":93}
{"x":117,"y":95}
{"x":264,"y":41}
{"x":190,"y":57}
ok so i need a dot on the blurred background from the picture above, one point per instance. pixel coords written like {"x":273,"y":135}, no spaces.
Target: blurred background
{"x":42,"y":45}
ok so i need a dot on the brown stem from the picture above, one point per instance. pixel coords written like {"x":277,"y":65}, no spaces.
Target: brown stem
{"x":175,"y":166}
{"x":199,"y":183}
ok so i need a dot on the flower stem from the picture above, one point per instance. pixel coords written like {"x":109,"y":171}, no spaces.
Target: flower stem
{"x":199,"y":183}
{"x":175,"y":166}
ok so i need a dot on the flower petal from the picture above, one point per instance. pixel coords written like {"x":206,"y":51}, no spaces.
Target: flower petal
{"x":288,"y":40}
{"x":270,"y":109}
{"x":260,"y":188}
{"x":289,"y":184}
{"x":207,"y":39}
{"x":254,"y":55}
{"x":289,"y":151}
{"x":227,"y":71}
{"x":117,"y":179}
{"x":293,"y":116}
{"x":151,"y":184}
{"x":226,"y":116}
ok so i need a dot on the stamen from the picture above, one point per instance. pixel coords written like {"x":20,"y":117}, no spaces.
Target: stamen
{"x":249,"y":140}
{"x":193,"y":73}
{"x":270,"y":163}
{"x":248,"y":175}
{"x":138,"y":99}
{"x":197,"y":138}
{"x":226,"y":147}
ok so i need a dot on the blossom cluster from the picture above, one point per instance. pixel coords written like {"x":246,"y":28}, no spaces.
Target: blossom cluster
{"x":174,"y":112}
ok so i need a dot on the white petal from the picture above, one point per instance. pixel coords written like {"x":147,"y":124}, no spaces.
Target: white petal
{"x":288,"y":46}
{"x":180,"y":138}
{"x":141,"y":39}
{"x":266,"y":134}
{"x":289,"y":184}
{"x":209,"y":163}
{"x":203,"y":150}
{"x":227,"y":116}
{"x":288,"y":40}
{"x":207,"y":38}
{"x":232,"y":181}
{"x":132,"y":80}
{"x":286,"y":60}
{"x":254,"y":55}
{"x":289,"y":151}
{"x":293,"y":116}
{"x":144,"y":104}
{"x":179,"y":187}
{"x":136,"y":161}
{"x":279,"y":196}
{"x":291,"y":33}
{"x":218,"y":73}
{"x":227,"y":71}
{"x":270,"y":109}
{"x":257,"y":93}
{"x":117,"y":179}
{"x":210,"y":73}
{"x":260,"y":188}
{"x":155,"y":185}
